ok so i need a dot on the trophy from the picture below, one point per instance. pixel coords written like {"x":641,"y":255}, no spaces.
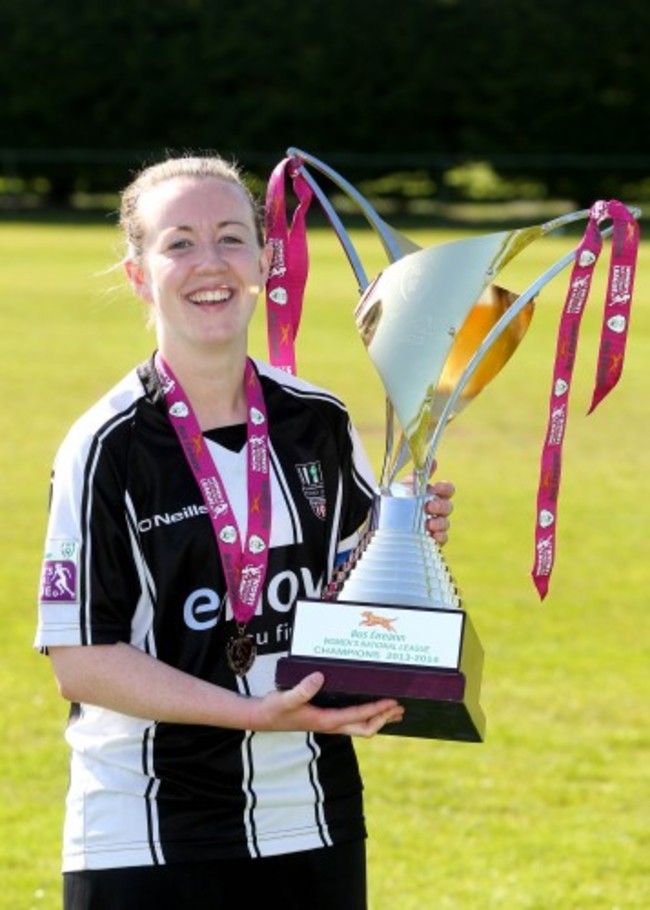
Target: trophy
{"x":391,"y":621}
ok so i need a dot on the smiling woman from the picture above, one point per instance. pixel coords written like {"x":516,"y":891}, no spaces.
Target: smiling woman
{"x":201,"y":267}
{"x":178,"y":515}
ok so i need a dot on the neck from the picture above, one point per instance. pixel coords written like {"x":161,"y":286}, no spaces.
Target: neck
{"x":214,"y":385}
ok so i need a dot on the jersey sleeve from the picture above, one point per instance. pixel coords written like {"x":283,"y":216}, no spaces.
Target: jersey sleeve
{"x":90,"y":583}
{"x":359,"y":483}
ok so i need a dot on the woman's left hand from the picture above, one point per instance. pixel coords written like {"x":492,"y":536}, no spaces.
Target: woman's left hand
{"x":438,"y":507}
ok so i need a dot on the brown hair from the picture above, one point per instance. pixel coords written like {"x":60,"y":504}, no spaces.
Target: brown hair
{"x":200,"y":167}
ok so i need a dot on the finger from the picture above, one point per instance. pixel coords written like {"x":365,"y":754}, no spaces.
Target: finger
{"x":374,"y":724}
{"x":442,"y":489}
{"x":357,"y":720}
{"x":304,"y":691}
{"x":436,"y":507}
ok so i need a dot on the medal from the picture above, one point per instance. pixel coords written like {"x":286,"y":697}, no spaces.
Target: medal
{"x":244,"y":566}
{"x":241,"y":652}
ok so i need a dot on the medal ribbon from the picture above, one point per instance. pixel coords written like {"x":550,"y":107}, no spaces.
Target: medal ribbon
{"x":616,"y":317}
{"x":245,"y":566}
{"x":285,"y":287}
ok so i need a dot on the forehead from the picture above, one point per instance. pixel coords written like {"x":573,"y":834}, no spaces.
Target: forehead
{"x":194,"y":202}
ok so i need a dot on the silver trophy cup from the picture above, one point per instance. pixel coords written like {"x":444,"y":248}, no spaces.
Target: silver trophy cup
{"x":390,"y":622}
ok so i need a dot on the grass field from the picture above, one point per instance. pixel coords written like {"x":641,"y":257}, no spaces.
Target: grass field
{"x":551,"y":812}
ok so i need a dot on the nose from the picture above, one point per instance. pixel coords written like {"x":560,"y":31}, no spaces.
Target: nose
{"x":211,"y":258}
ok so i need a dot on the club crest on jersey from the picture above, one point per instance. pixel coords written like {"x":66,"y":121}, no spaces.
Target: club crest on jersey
{"x":313,"y":487}
{"x":59,"y":576}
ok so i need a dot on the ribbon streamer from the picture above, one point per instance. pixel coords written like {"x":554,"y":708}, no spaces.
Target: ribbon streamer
{"x":616,"y":318}
{"x":285,"y":287}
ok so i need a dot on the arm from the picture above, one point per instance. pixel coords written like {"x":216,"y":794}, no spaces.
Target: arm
{"x":122,"y":678}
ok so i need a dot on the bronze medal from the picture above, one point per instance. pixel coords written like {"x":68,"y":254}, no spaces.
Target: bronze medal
{"x":241,"y":653}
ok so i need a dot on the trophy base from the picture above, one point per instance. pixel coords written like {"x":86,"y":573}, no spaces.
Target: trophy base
{"x":439,"y":704}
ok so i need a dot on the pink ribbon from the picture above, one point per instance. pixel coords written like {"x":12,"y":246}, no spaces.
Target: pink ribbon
{"x":616,"y":318}
{"x":285,"y":287}
{"x":244,"y":565}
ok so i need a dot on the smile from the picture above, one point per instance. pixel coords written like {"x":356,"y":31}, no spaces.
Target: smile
{"x":203,"y":297}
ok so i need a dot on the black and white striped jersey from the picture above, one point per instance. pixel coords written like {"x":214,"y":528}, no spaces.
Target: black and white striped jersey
{"x":130,"y":556}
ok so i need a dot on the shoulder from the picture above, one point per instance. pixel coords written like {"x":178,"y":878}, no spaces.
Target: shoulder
{"x":111,"y":412}
{"x":297,"y":387}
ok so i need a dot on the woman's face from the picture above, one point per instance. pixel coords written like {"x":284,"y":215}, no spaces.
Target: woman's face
{"x":202,"y":268}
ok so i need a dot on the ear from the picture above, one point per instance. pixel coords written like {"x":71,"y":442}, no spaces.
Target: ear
{"x":137,"y":279}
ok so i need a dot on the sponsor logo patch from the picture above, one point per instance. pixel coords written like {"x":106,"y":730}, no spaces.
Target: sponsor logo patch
{"x":60,"y":573}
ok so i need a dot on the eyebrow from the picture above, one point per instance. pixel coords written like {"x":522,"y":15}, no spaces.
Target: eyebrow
{"x":220,"y":224}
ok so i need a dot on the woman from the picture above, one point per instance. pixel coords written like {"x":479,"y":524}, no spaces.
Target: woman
{"x":181,"y":521}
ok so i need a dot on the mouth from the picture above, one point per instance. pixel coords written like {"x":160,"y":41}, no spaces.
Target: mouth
{"x":210,"y":298}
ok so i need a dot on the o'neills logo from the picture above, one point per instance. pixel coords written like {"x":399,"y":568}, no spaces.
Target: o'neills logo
{"x":249,"y":585}
{"x":278,"y":262}
{"x":544,"y":556}
{"x":213,"y":495}
{"x":162,"y":519}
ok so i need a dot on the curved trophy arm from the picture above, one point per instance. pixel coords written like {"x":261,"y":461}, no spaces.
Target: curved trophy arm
{"x":337,"y":225}
{"x":394,"y":243}
{"x":489,"y":339}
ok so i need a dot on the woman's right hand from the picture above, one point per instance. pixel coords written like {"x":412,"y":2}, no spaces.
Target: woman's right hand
{"x":292,"y":710}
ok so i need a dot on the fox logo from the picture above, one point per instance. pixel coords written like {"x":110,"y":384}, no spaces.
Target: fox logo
{"x":371,"y":619}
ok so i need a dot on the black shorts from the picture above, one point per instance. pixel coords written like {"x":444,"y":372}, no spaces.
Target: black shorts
{"x":332,"y":878}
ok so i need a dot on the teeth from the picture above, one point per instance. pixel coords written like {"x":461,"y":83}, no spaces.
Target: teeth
{"x":210,"y":296}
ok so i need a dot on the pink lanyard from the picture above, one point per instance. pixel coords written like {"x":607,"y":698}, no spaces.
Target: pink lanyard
{"x":245,"y":566}
{"x":616,"y":318}
{"x":285,"y":287}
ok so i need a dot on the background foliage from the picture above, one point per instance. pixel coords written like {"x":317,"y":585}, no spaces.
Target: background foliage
{"x":541,"y":89}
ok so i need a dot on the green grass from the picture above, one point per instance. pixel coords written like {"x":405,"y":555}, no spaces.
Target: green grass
{"x":551,"y":812}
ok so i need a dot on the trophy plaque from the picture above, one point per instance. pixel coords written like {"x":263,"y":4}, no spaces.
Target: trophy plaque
{"x":391,"y":622}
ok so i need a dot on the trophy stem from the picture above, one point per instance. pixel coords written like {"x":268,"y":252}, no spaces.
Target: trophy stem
{"x":384,"y":477}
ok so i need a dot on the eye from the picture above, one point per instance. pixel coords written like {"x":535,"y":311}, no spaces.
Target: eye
{"x":231,"y":240}
{"x":181,"y":243}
